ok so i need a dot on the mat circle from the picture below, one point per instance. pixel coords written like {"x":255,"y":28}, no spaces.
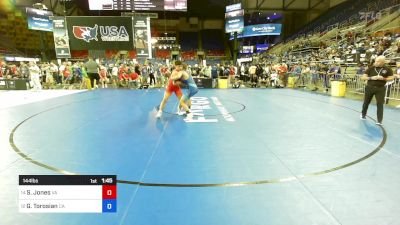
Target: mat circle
{"x":228,"y":184}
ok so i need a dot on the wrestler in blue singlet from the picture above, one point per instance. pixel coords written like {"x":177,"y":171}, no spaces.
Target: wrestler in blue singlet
{"x":192,"y":87}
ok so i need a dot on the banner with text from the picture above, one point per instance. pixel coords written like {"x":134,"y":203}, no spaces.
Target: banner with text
{"x":39,"y":19}
{"x":142,"y":37}
{"x":100,"y":33}
{"x":234,"y":21}
{"x":262,"y":47}
{"x":259,"y":30}
{"x":60,"y":33}
{"x":262,"y":29}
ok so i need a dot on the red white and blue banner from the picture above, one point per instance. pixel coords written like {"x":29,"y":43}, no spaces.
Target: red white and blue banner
{"x":100,"y":33}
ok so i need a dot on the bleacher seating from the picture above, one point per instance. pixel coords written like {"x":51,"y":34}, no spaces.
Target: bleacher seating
{"x":188,"y":41}
{"x":188,"y":55}
{"x":215,"y":53}
{"x":345,"y":13}
{"x":191,"y":62}
{"x":213,"y":61}
{"x":164,"y":54}
{"x":344,"y":18}
{"x":18,"y":38}
{"x":212,"y":40}
{"x":385,"y":20}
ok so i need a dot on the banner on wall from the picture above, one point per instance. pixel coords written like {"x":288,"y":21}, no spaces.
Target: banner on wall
{"x":60,"y":33}
{"x":262,"y":47}
{"x":259,"y":30}
{"x":247,"y":49}
{"x":100,"y":33}
{"x":142,"y":39}
{"x":262,"y":29}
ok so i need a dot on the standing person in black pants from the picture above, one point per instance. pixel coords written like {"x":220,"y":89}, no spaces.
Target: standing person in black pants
{"x":92,"y":70}
{"x":376,"y":75}
{"x":151,"y":75}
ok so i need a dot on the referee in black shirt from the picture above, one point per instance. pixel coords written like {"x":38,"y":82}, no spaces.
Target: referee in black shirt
{"x":376,"y":75}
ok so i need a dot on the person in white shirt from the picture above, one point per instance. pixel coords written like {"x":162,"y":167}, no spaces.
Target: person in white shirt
{"x":61,"y":69}
{"x":34,"y":72}
{"x":114,"y":74}
{"x":49,"y":81}
{"x":207,"y":71}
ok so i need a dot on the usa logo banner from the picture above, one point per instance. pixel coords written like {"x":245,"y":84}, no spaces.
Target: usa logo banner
{"x":100,"y":33}
{"x":85,"y":33}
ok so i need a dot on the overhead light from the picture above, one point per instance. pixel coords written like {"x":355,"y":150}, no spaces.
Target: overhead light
{"x":40,"y":6}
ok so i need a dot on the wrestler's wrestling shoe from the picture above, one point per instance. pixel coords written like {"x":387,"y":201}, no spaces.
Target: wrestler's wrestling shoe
{"x":181,"y":113}
{"x":189,"y":115}
{"x":159,"y":114}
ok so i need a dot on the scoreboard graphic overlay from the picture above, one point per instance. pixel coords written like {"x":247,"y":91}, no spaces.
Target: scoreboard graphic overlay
{"x":67,"y":193}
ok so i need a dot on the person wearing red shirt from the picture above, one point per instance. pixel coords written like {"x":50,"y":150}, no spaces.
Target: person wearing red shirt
{"x":134,"y":78}
{"x":103,"y":76}
{"x":283,"y":76}
{"x":123,"y":77}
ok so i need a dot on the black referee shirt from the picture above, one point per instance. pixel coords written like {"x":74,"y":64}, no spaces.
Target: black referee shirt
{"x":382,"y":71}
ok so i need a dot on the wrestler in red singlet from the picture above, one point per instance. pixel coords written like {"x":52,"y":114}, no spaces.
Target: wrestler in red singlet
{"x":172,"y":88}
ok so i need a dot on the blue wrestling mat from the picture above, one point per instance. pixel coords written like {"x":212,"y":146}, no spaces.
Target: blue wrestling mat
{"x":248,"y":156}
